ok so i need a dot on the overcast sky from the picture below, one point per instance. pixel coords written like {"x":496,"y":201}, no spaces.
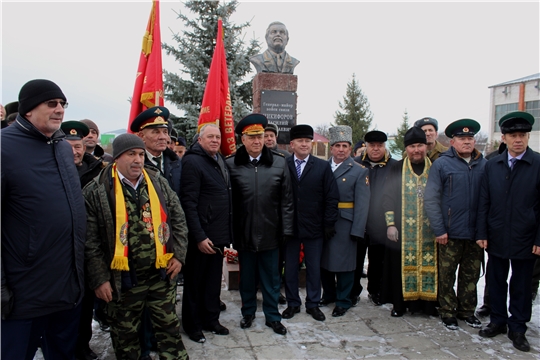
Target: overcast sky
{"x":429,"y":58}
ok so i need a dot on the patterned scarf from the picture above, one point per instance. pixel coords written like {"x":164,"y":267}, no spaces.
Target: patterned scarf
{"x":159,"y":230}
{"x":418,"y":244}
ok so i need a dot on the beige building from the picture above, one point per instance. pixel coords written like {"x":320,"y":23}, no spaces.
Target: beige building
{"x":521,"y":94}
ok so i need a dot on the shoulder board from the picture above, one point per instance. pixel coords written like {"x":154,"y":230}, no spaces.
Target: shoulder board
{"x":277,"y":153}
{"x":229,"y":156}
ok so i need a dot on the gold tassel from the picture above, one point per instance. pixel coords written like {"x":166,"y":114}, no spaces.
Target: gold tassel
{"x":163,"y":260}
{"x":120,"y":263}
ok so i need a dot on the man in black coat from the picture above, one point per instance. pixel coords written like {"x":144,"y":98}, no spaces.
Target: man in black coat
{"x":316,"y":198}
{"x":88,"y":167}
{"x":262,"y":219}
{"x":378,"y":160}
{"x":206,"y":199}
{"x":508,"y":228}
{"x":43,"y":229}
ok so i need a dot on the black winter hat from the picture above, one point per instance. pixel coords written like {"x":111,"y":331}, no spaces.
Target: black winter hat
{"x":37,"y":91}
{"x":125,"y":142}
{"x":414,"y":135}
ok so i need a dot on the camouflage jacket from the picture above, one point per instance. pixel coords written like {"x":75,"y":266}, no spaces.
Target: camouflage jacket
{"x":100,"y":235}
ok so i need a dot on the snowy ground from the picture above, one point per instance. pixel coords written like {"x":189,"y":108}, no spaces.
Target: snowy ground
{"x":346,"y":337}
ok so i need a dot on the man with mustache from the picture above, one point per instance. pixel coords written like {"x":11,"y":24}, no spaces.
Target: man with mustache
{"x":275,"y":59}
{"x":410,"y":260}
{"x":135,"y":247}
{"x":451,"y":203}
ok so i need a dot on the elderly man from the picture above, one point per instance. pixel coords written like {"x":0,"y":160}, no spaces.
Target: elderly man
{"x":451,"y":202}
{"x":271,"y":133}
{"x":152,"y":126}
{"x":508,"y":228}
{"x":135,"y":247}
{"x":43,"y":229}
{"x":275,"y":59}
{"x":431,"y":127}
{"x":263,"y":219}
{"x":206,"y":200}
{"x":378,"y":160}
{"x":88,"y":168}
{"x":316,"y":198}
{"x":91,"y":142}
{"x":410,"y":262}
{"x":339,"y":253}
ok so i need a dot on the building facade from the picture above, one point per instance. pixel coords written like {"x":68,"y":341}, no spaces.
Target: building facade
{"x":521,"y":94}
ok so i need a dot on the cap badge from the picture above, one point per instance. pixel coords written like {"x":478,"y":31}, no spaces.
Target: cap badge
{"x":72,"y":132}
{"x":158,"y":111}
{"x":159,"y":118}
{"x":465,"y":129}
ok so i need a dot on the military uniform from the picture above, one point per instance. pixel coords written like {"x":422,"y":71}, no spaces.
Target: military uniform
{"x":143,"y":285}
{"x":451,"y":201}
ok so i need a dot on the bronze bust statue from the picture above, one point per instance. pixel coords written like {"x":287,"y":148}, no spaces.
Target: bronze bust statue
{"x":275,"y":59}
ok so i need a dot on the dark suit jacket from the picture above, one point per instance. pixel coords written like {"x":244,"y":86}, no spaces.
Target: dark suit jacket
{"x":316,"y":197}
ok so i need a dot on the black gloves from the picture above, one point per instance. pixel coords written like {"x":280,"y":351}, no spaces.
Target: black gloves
{"x":329,"y":232}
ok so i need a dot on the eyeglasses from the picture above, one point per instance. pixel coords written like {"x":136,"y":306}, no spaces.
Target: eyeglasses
{"x":54,"y":103}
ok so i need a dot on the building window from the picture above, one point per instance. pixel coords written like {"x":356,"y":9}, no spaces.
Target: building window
{"x":501,"y":110}
{"x":533,"y":108}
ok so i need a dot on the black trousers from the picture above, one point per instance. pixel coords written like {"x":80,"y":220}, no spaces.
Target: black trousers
{"x":375,"y":255}
{"x":202,"y":288}
{"x":357,"y":288}
{"x":520,"y":292}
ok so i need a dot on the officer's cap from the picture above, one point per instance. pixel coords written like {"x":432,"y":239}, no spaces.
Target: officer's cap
{"x":154,"y":117}
{"x":462,"y":127}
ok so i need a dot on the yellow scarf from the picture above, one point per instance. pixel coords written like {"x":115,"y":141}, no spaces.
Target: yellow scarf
{"x":160,"y":228}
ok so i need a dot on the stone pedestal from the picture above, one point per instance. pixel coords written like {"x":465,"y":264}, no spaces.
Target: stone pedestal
{"x":272,"y":81}
{"x":274,"y":95}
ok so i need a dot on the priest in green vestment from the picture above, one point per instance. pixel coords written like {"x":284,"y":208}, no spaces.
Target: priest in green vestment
{"x":410,"y":263}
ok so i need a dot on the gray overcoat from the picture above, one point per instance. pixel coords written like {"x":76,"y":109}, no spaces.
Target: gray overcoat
{"x":339,"y":253}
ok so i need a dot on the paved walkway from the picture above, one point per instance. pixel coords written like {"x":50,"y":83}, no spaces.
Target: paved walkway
{"x":366,"y":331}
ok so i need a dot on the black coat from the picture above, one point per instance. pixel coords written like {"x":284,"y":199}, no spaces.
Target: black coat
{"x":43,"y":222}
{"x":316,"y":198}
{"x":262,"y":200}
{"x":173,"y":169}
{"x":205,"y":196}
{"x":93,"y":168}
{"x":509,"y":206}
{"x":376,"y":224}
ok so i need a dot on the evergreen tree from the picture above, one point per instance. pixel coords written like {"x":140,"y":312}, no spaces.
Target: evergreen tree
{"x":355,"y":111}
{"x":194,"y":51}
{"x":398,"y":145}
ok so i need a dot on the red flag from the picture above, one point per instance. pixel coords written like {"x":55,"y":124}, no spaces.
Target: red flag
{"x":148,"y":91}
{"x":216,"y":105}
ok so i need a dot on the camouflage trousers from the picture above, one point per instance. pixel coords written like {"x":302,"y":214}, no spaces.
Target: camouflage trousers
{"x":468,"y":256}
{"x":159,"y":297}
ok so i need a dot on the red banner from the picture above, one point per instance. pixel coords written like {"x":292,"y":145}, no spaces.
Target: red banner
{"x":148,"y":91}
{"x":216,"y":105}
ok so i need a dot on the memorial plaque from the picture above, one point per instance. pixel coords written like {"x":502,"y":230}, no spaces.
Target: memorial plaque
{"x":279,"y":107}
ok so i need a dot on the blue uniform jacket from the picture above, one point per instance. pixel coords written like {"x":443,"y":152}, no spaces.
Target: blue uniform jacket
{"x":451,"y":196}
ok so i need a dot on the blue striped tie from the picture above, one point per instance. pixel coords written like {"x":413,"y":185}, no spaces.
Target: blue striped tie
{"x":299,"y":167}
